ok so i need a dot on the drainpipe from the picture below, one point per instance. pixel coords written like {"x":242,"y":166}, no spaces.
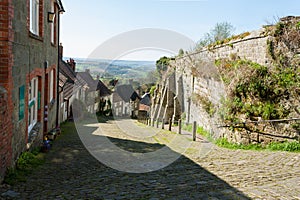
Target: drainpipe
{"x":57,"y":71}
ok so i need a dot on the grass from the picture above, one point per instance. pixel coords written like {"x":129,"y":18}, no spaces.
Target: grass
{"x":27,"y":162}
{"x":200,"y":130}
{"x":274,"y":146}
{"x":31,"y":160}
{"x":285,"y":146}
{"x":223,"y":142}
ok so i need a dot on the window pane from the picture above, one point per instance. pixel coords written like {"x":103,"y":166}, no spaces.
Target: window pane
{"x":51,"y":84}
{"x":34,"y":16}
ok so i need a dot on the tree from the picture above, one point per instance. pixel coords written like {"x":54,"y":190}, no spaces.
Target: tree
{"x":220,"y":32}
{"x":181,"y":52}
{"x":162,"y":64}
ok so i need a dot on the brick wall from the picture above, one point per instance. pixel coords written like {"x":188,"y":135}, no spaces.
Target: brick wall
{"x":6,"y":84}
{"x":22,"y":57}
{"x":6,"y":36}
{"x":5,"y":134}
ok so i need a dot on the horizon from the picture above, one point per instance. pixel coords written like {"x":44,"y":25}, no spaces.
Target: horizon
{"x":190,"y":18}
{"x":103,"y":59}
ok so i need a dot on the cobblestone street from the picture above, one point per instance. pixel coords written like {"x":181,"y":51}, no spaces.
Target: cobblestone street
{"x":204,"y":171}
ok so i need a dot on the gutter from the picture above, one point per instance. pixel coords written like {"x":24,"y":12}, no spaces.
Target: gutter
{"x":61,"y":10}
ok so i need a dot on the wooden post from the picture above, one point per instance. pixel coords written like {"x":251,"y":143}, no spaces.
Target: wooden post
{"x":194,"y":130}
{"x":157,"y":122}
{"x":179,"y":126}
{"x":163,"y":123}
{"x":170,"y":124}
{"x":152,"y":122}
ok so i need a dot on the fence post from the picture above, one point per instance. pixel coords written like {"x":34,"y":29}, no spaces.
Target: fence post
{"x":163,"y":123}
{"x":194,"y":130}
{"x":157,"y":121}
{"x":179,"y":126}
{"x":170,"y":124}
{"x":152,"y":122}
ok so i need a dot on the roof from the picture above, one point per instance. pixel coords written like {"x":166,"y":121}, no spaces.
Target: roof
{"x":127,"y":93}
{"x":146,"y":99}
{"x":104,"y":91}
{"x":60,"y":6}
{"x":68,"y":90}
{"x":94,"y":85}
{"x":66,"y":70}
{"x":67,"y":79}
{"x":62,"y":80}
{"x":116,"y":97}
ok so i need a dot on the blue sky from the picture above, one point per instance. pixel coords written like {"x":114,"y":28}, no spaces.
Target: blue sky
{"x":87,"y":24}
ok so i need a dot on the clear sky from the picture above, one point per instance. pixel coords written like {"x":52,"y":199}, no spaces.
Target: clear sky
{"x":87,"y":24}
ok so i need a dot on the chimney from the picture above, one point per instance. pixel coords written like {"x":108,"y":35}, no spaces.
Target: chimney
{"x":97,"y":77}
{"x":72,"y":64}
{"x":87,"y":70}
{"x":61,"y":50}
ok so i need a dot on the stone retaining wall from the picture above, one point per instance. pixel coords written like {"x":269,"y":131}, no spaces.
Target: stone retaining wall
{"x":202,"y":87}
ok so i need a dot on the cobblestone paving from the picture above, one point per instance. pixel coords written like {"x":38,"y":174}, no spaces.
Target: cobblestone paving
{"x":203,"y":172}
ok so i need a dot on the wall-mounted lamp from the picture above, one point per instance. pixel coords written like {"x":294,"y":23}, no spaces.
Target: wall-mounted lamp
{"x":51,"y":16}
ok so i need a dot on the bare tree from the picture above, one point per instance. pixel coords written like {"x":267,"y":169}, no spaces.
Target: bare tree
{"x":220,"y":32}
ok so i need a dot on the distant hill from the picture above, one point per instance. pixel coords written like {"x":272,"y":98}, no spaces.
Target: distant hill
{"x":122,"y":69}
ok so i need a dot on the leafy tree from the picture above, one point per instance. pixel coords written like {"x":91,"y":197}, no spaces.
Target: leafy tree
{"x":162,"y":64}
{"x":220,"y":32}
{"x":181,"y":52}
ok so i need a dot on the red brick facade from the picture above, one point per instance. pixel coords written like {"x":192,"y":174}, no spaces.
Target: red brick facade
{"x":6,"y":104}
{"x":5,"y":134}
{"x":24,"y":57}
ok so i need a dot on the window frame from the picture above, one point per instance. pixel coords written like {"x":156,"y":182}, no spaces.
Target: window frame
{"x":53,"y":24}
{"x":51,"y":85}
{"x":33,"y":103}
{"x":34,"y":10}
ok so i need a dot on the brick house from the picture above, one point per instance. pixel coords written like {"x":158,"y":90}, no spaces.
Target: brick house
{"x":29,"y":38}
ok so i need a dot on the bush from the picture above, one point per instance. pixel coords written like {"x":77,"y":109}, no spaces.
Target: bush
{"x":26,"y":163}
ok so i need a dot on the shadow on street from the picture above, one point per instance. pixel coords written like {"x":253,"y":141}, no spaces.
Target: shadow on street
{"x":70,"y":172}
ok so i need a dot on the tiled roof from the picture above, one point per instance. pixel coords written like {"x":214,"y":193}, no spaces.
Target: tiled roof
{"x":94,"y":85}
{"x":146,"y":99}
{"x":104,"y":91}
{"x":127,"y":93}
{"x":67,"y":79}
{"x":68,"y":90}
{"x":116,"y":97}
{"x":62,"y":80}
{"x":66,"y":70}
{"x":85,"y":76}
